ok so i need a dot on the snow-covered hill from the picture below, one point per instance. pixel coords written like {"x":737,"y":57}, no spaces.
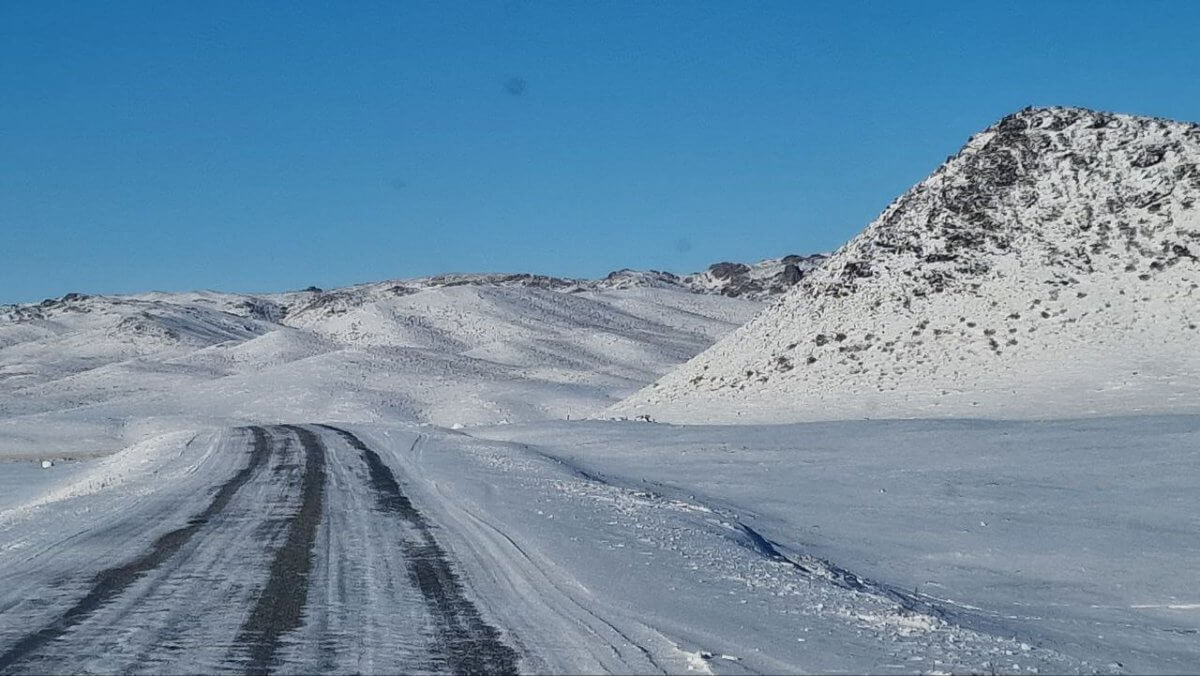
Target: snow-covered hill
{"x":1050,"y":266}
{"x":95,"y":372}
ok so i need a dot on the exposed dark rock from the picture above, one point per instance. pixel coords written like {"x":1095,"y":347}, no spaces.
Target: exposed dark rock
{"x":728,"y":270}
{"x":790,"y":275}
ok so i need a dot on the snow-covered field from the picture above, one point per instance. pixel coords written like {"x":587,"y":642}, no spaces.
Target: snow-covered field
{"x":24,"y":482}
{"x":885,"y":547}
{"x":1075,"y":536}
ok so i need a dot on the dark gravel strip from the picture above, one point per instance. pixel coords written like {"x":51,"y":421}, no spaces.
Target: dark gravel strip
{"x":468,"y":644}
{"x":110,"y":583}
{"x":280,"y":608}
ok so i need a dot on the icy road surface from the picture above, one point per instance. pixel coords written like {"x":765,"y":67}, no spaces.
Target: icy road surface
{"x":309,"y":557}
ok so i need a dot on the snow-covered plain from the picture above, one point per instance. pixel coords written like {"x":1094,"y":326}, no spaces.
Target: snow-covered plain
{"x":962,"y":546}
{"x":1076,"y":536}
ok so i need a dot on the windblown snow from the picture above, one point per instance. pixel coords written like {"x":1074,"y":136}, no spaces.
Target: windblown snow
{"x":1049,"y":268}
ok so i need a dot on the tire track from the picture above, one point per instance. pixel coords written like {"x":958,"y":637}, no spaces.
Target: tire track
{"x":280,"y":607}
{"x":466,"y":643}
{"x":110,"y":583}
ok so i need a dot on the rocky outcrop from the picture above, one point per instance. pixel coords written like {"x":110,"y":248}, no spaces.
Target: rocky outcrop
{"x":760,"y":281}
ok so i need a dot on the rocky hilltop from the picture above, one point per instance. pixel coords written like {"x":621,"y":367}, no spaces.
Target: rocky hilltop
{"x":1051,"y":263}
{"x":756,"y":281}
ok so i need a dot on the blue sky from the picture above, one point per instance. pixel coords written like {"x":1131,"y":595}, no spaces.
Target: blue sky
{"x":257,"y":146}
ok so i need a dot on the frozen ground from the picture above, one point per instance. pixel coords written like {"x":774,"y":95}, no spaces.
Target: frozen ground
{"x":294,"y":548}
{"x":1071,"y":535}
{"x":25,"y":481}
{"x":884,"y":547}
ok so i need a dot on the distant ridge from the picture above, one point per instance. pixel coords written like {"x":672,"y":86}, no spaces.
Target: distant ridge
{"x":754,"y":281}
{"x":449,"y":350}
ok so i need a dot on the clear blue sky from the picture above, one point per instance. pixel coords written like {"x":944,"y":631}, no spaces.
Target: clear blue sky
{"x":260,"y":146}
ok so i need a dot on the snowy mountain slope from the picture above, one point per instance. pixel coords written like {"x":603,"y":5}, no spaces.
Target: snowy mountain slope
{"x":49,"y":349}
{"x":451,"y":349}
{"x":1050,"y":265}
